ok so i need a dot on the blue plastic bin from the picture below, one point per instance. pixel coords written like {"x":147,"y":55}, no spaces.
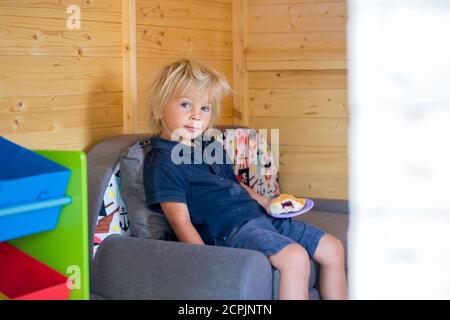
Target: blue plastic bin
{"x":32,"y":191}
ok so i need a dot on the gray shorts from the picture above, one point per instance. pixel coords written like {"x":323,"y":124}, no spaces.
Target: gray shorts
{"x":269,"y":235}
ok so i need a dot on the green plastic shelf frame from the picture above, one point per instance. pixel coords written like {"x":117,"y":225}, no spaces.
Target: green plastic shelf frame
{"x":66,"y":247}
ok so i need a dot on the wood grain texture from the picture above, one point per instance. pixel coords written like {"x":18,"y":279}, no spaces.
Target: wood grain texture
{"x":306,"y":132}
{"x":43,"y":75}
{"x":91,"y":10}
{"x":60,"y":88}
{"x":241,"y":109}
{"x":297,"y":17}
{"x":296,"y":62}
{"x":129,"y":72}
{"x":172,"y":42}
{"x":319,"y":186}
{"x":64,"y":139}
{"x":326,"y":79}
{"x":304,"y":103}
{"x":170,"y":30}
{"x":192,"y":14}
{"x":34,"y":36}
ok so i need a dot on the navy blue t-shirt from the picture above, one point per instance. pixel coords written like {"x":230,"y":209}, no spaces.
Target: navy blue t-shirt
{"x":216,"y":201}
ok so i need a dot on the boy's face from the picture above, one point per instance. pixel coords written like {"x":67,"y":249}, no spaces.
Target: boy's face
{"x":186,"y":114}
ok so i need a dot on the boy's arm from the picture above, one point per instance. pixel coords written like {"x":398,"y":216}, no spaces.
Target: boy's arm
{"x":263,"y":201}
{"x":177,"y":214}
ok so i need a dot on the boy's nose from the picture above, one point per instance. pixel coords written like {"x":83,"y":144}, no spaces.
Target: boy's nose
{"x":195,"y":116}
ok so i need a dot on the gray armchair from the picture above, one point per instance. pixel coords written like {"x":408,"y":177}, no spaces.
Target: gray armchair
{"x":139,"y":268}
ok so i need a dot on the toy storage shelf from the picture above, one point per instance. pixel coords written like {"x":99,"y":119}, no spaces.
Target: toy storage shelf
{"x":65,"y":248}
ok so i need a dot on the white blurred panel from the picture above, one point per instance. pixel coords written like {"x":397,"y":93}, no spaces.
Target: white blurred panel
{"x":399,"y":93}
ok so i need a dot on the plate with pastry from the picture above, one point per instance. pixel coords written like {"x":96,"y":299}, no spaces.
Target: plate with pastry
{"x":287,"y":206}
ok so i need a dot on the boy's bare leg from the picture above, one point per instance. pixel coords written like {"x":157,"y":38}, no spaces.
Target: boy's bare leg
{"x":331,"y":257}
{"x":293,"y":263}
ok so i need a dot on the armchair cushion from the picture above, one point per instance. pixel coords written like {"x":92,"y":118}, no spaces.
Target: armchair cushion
{"x":145,"y":223}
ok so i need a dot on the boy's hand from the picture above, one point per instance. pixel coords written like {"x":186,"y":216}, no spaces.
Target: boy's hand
{"x":267,"y":204}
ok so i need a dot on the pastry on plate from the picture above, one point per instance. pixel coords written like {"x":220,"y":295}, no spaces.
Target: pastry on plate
{"x":286,"y":203}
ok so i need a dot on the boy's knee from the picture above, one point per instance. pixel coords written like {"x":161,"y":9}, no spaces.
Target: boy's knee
{"x":333,"y":249}
{"x":293,"y":256}
{"x":337,"y":248}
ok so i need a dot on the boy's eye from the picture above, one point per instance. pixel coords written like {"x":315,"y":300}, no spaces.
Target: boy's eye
{"x":185,"y":105}
{"x":206,"y":108}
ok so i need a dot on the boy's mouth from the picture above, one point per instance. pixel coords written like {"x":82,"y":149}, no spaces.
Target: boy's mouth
{"x":191,"y":129}
{"x":194,"y":128}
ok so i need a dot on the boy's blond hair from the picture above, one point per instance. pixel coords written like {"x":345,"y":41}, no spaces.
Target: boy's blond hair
{"x":176,"y":77}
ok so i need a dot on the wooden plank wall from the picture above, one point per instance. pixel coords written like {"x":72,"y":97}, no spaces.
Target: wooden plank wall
{"x":60,"y":88}
{"x":295,"y":57}
{"x":168,"y":30}
{"x":65,"y":89}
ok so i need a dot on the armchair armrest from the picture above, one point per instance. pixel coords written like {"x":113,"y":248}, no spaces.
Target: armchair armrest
{"x":137,"y":268}
{"x":331,"y":205}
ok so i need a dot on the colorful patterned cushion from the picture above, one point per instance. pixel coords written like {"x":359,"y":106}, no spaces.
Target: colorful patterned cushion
{"x":113,"y":217}
{"x":253,"y":160}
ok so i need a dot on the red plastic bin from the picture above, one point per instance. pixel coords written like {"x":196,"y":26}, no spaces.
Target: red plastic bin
{"x":22,"y":277}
